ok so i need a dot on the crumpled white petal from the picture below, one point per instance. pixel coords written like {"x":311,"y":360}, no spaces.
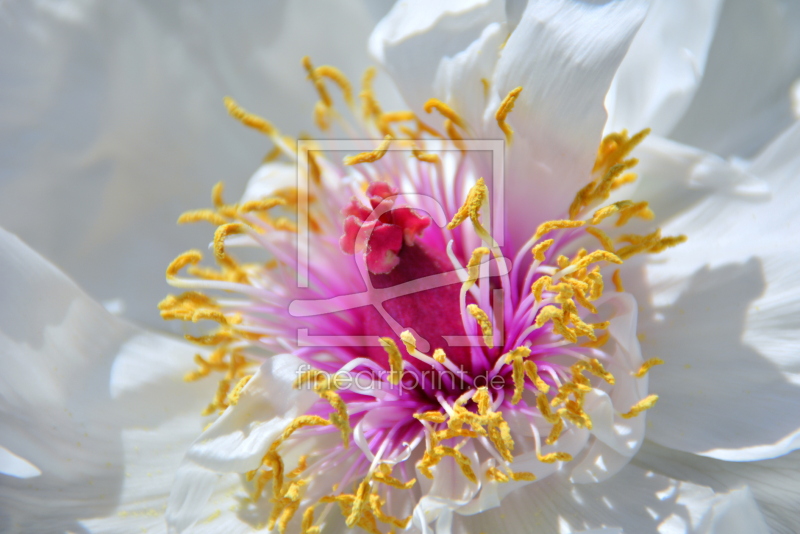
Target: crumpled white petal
{"x":98,"y":406}
{"x":402,"y":42}
{"x":773,"y":482}
{"x":635,"y":501}
{"x":744,"y":100}
{"x":725,"y":313}
{"x":648,"y":93}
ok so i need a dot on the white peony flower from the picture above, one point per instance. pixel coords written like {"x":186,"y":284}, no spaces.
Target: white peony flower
{"x":101,"y":433}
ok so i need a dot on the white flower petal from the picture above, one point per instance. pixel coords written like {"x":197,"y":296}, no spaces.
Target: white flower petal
{"x":97,"y":405}
{"x":635,"y":500}
{"x":415,"y":35}
{"x":648,"y":93}
{"x":460,"y":79}
{"x":113,"y":124}
{"x":16,"y":466}
{"x":744,"y":99}
{"x":563,"y":53}
{"x":725,"y":319}
{"x":772,"y":482}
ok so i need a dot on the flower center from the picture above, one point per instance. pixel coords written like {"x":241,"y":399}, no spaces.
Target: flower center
{"x":466,"y":366}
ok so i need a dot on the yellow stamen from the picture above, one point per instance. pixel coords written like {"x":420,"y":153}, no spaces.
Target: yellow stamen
{"x":646,"y":366}
{"x":233,"y":396}
{"x":445,"y":110}
{"x":606,"y":241}
{"x":483,"y":321}
{"x":395,"y":359}
{"x":505,"y":108}
{"x":473,"y":267}
{"x":644,"y":404}
{"x":370,"y":157}
{"x":516,"y":357}
{"x":476,"y":197}
{"x":192,"y":257}
{"x":439,"y":355}
{"x":555,"y":457}
{"x":533,"y":373}
{"x":202,"y":215}
{"x":555,"y":225}
{"x":222,"y":232}
{"x":336,"y":76}
{"x":617,"y":282}
{"x":248,"y":119}
{"x":539,"y":250}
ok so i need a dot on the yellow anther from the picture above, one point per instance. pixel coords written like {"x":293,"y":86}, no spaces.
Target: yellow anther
{"x":533,"y":373}
{"x":478,"y":195}
{"x":371,"y":108}
{"x":376,"y":504}
{"x":248,"y":119}
{"x":192,"y":257}
{"x":616,"y":146}
{"x":384,"y":476}
{"x":639,"y":209}
{"x":539,"y":250}
{"x":539,"y":286}
{"x":216,"y":338}
{"x":439,"y":355}
{"x":425,"y":156}
{"x":233,"y":396}
{"x":611,"y":209}
{"x":445,"y":110}
{"x":646,"y":366}
{"x":370,"y":157}
{"x":360,"y":503}
{"x":338,"y":77}
{"x":473,"y":266}
{"x":395,"y":359}
{"x":523,"y":475}
{"x":505,"y":108}
{"x":555,"y":432}
{"x":515,"y":358}
{"x":319,"y":85}
{"x":219,"y":403}
{"x":408,"y":340}
{"x":596,"y":256}
{"x":462,"y":461}
{"x":544,"y":408}
{"x":483,"y":400}
{"x":549,"y":313}
{"x":599,"y":342}
{"x":601,"y":236}
{"x":644,"y":404}
{"x":202,"y":215}
{"x":555,"y":457}
{"x":484,"y":323}
{"x":454,"y":135}
{"x":617,"y":282}
{"x":339,"y":418}
{"x":222,"y":232}
{"x":261,"y":205}
{"x":549,"y":226}
{"x":494,"y":473}
{"x":298,"y":423}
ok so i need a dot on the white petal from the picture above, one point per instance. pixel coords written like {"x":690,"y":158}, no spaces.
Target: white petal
{"x":772,"y":482}
{"x":97,"y":405}
{"x":725,"y":319}
{"x":113,"y":123}
{"x":744,"y":99}
{"x":413,"y":38}
{"x":635,"y":500}
{"x":460,"y":79}
{"x":563,"y":53}
{"x":661,"y":72}
{"x":16,"y":466}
